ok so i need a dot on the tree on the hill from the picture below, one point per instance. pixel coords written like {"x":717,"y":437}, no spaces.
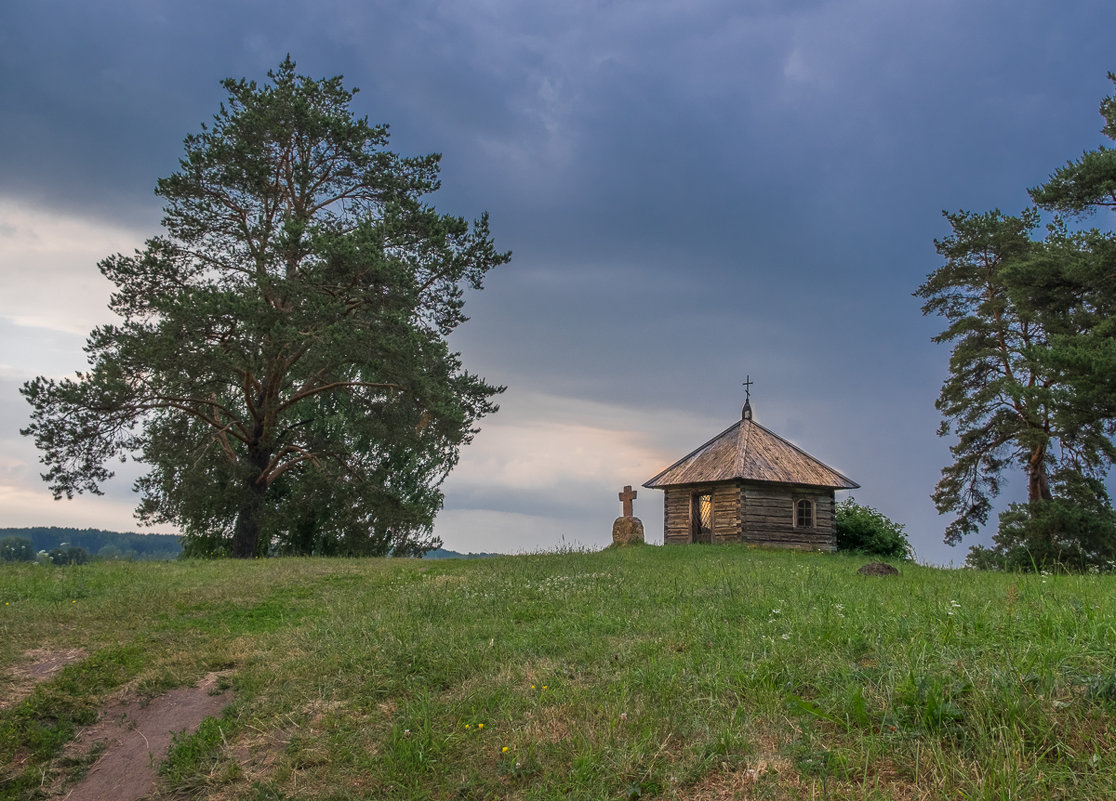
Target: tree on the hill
{"x":1002,"y":399}
{"x":1075,"y":530}
{"x":281,"y":361}
{"x":1090,"y":182}
{"x":1033,"y":370}
{"x":1078,"y":293}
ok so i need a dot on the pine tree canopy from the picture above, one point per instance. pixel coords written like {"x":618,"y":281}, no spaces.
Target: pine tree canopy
{"x":280,"y":360}
{"x":1032,"y":373}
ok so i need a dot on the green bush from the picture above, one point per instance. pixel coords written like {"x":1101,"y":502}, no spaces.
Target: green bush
{"x":16,"y":549}
{"x":862,"y":529}
{"x":68,"y":555}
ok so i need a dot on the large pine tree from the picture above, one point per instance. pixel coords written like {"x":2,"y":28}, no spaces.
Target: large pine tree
{"x":1078,"y":291}
{"x":1032,"y":379}
{"x":280,"y":360}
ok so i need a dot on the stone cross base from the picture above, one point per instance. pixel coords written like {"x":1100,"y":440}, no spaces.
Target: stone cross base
{"x":627,"y":531}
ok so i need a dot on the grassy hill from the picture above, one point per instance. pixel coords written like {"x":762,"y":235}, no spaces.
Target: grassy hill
{"x":696,"y":673}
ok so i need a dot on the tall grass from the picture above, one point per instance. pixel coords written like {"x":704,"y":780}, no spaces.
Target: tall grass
{"x":703,"y":672}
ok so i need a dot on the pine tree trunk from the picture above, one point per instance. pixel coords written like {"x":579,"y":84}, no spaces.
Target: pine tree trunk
{"x":1038,"y":484}
{"x":246,"y":535}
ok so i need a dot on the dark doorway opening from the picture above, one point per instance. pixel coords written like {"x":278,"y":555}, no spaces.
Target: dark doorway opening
{"x":701,"y":517}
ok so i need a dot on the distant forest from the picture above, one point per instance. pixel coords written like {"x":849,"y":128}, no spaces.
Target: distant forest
{"x":442,"y":553}
{"x":100,"y":544}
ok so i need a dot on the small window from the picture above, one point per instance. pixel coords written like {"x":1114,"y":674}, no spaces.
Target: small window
{"x":804,"y":514}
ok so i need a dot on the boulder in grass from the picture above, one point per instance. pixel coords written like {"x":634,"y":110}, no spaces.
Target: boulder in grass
{"x":877,"y":569}
{"x":627,"y":531}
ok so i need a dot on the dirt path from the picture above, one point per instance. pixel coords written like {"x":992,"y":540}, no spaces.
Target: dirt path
{"x":138,"y":736}
{"x":38,"y":665}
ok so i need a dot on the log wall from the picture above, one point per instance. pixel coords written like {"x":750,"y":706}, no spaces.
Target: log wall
{"x":726,"y":513}
{"x":769,"y":517}
{"x":757,"y":514}
{"x":676,"y":516}
{"x":678,"y":508}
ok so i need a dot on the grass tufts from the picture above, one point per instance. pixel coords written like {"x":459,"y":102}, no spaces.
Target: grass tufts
{"x":651,"y":673}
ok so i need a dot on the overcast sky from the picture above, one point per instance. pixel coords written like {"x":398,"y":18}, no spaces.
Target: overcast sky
{"x":693,"y":192}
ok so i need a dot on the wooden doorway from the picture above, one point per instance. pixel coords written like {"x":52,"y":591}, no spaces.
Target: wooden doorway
{"x":701,"y":517}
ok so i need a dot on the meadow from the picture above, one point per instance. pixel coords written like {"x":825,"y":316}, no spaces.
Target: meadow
{"x":712,"y":672}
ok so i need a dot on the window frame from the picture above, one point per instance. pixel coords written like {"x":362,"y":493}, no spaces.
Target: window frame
{"x":797,"y":516}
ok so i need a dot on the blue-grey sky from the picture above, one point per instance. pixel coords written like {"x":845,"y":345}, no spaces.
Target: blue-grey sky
{"x":694,"y":192}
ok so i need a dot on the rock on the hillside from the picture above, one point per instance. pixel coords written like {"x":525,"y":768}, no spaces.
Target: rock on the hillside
{"x":627,"y":531}
{"x":878,"y":569}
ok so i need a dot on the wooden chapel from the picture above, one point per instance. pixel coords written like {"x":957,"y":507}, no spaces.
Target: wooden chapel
{"x":750,"y":485}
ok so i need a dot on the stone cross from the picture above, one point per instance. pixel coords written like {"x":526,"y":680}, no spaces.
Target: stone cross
{"x":627,"y":496}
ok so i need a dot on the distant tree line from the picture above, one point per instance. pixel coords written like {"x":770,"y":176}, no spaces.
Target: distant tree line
{"x":77,"y":546}
{"x":443,"y":553}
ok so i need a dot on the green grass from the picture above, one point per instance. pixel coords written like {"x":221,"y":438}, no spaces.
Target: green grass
{"x":696,"y":673}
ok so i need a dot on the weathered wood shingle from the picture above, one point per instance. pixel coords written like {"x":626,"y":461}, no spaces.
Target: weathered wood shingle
{"x":749,"y":452}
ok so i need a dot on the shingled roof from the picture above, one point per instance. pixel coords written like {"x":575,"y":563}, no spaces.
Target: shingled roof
{"x":749,"y":452}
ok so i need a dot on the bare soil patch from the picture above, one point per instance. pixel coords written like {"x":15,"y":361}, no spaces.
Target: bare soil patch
{"x":38,"y":666}
{"x":136,"y":735}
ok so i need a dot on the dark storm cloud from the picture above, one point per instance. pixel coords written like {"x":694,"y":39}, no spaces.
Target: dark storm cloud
{"x":694,"y":191}
{"x":639,"y":126}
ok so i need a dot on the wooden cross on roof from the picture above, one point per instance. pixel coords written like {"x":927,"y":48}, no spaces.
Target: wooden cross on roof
{"x":746,"y":412}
